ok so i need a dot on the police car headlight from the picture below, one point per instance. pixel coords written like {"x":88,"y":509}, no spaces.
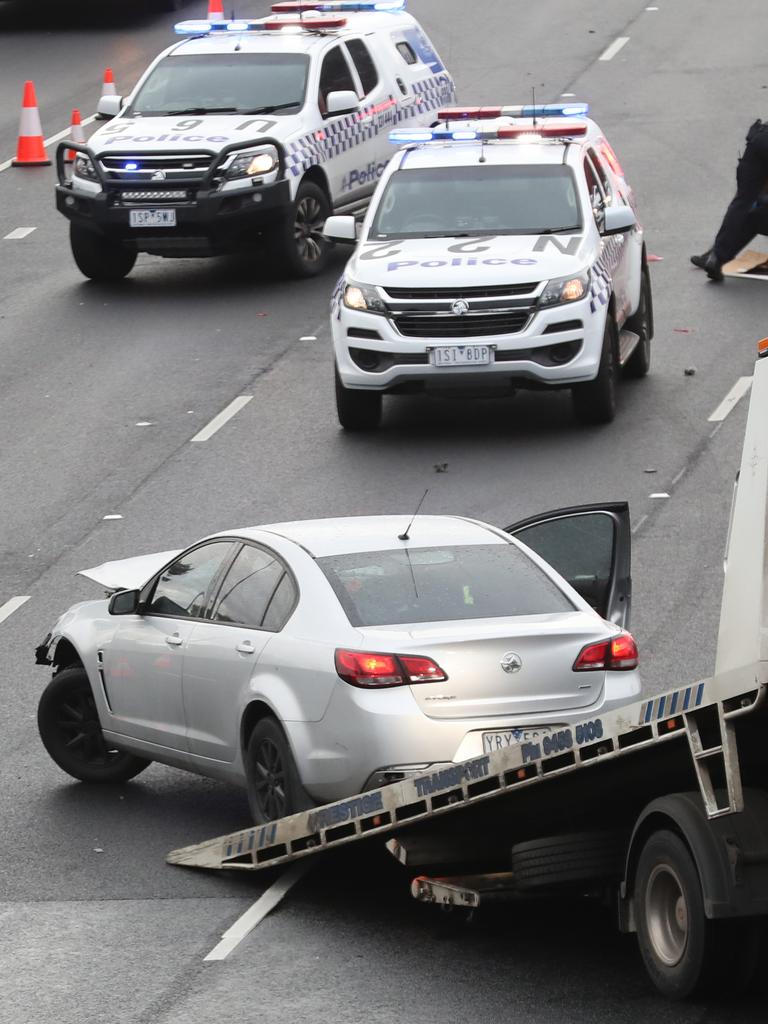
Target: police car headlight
{"x":565,"y":289}
{"x":253,"y":163}
{"x":363,"y":297}
{"x":84,"y":168}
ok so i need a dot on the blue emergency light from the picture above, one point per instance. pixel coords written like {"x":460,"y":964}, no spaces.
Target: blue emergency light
{"x":405,"y":136}
{"x":529,"y":110}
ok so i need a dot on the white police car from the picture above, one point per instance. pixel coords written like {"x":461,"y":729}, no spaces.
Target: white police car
{"x":251,"y":132}
{"x":500,"y":251}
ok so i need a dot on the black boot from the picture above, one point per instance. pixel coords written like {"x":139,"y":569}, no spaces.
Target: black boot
{"x":713,"y":267}
{"x":701,"y":261}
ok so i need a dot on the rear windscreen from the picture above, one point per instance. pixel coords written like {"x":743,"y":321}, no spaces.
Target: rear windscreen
{"x":478,"y":581}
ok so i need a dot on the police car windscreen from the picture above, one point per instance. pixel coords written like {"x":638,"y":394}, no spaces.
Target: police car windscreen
{"x":477,"y":581}
{"x":237,"y":83}
{"x":431,"y":202}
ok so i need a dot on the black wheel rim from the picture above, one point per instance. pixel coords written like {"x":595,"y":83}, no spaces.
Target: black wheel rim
{"x":269,"y":784}
{"x":79,"y":729}
{"x":308,"y":229}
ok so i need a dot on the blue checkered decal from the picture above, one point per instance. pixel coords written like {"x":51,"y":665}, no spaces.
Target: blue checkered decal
{"x":672,"y":703}
{"x":603,"y":270}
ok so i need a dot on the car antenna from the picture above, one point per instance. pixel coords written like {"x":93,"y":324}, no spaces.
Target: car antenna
{"x":404,"y":534}
{"x":533,"y":96}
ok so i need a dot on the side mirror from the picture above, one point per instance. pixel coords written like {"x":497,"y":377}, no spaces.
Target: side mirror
{"x":342,"y":102}
{"x":108,"y":107}
{"x":340,"y":229}
{"x":124,"y":602}
{"x":617,"y":219}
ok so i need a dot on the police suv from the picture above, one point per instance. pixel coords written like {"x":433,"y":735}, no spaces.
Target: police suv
{"x":250,"y":132}
{"x":501,"y":250}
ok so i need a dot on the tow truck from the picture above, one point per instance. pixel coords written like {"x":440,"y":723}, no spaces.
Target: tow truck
{"x":661,"y":805}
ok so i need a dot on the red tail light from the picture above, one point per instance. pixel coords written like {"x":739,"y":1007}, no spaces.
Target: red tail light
{"x":361,"y":668}
{"x":615,"y":655}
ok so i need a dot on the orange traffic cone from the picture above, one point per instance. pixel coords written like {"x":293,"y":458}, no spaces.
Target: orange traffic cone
{"x":215,"y":10}
{"x":107,"y":89}
{"x":30,"y":151}
{"x":76,"y":134}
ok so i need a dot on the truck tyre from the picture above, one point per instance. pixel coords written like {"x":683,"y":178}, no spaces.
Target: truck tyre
{"x":560,"y":860}
{"x":357,"y":410}
{"x":300,"y":242}
{"x":71,"y":732}
{"x":97,"y":257}
{"x":595,"y":400}
{"x":274,"y":786}
{"x":641,"y":322}
{"x":684,"y":952}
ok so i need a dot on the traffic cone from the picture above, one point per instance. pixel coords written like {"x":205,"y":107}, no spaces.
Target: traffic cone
{"x":30,"y":151}
{"x":75,"y":135}
{"x":107,"y":89}
{"x":215,"y":10}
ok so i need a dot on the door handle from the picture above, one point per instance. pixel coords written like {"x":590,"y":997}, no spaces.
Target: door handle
{"x":246,"y":647}
{"x":174,"y":640}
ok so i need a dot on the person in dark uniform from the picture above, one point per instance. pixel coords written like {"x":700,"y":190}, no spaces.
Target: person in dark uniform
{"x":747,"y":215}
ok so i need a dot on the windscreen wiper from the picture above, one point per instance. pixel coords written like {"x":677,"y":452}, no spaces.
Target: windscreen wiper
{"x":271,"y":108}
{"x":203,"y":110}
{"x":557,"y":231}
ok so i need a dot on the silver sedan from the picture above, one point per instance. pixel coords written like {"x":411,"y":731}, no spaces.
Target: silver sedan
{"x":310,"y":661}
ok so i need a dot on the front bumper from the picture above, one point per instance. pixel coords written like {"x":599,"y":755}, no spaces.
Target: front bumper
{"x":560,"y":346}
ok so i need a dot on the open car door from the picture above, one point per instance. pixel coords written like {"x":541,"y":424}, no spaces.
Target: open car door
{"x":590,"y":546}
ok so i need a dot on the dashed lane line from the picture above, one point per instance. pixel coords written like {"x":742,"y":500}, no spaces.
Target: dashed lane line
{"x":256,"y":913}
{"x":610,"y":51}
{"x":737,"y":392}
{"x":223,"y":417}
{"x":12,"y":605}
{"x":18,"y":233}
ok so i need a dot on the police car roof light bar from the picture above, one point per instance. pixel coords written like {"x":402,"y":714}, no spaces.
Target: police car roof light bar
{"x":205,"y":28}
{"x":404,"y":136}
{"x":311,"y":24}
{"x":543,"y":130}
{"x":488,"y":113}
{"x":298,"y":6}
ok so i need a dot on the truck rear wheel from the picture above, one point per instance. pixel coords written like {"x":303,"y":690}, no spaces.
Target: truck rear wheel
{"x":299,"y":238}
{"x":560,"y":860}
{"x":684,"y":952}
{"x":98,"y":258}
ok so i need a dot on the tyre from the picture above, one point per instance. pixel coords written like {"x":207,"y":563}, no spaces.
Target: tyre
{"x":561,"y":860}
{"x":357,"y":410}
{"x":71,"y":732}
{"x":299,"y":238}
{"x":97,"y":257}
{"x":684,"y":952}
{"x":595,"y":401}
{"x":274,"y":787}
{"x":641,"y":322}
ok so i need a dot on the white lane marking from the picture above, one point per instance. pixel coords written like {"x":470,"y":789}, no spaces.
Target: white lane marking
{"x":737,"y":392}
{"x":659,"y":494}
{"x":256,"y":913}
{"x":54,"y":138}
{"x":610,"y":51}
{"x":567,"y":94}
{"x":679,"y":476}
{"x":113,"y":516}
{"x":11,"y":606}
{"x":651,"y":8}
{"x":308,"y":337}
{"x":226,"y":414}
{"x":18,"y":233}
{"x":639,"y":523}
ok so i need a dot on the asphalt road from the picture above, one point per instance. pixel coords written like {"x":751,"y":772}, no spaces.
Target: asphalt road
{"x":101,"y":389}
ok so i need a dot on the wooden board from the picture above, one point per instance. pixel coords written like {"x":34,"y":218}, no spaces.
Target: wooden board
{"x":750,"y":264}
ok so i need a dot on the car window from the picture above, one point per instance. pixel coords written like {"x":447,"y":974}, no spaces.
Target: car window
{"x":363,"y":62}
{"x":248,"y":587}
{"x":281,"y":605}
{"x":602,"y":175}
{"x":594,"y":187}
{"x":335,"y":76}
{"x":183,"y":587}
{"x":407,"y":53}
{"x":478,"y":581}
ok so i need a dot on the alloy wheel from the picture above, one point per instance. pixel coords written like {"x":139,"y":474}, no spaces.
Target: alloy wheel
{"x":269,"y":785}
{"x":307,"y":229}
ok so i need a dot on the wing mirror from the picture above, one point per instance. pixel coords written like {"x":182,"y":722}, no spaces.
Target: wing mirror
{"x":617,"y":219}
{"x":340,"y":229}
{"x":125,"y":602}
{"x":342,"y":102}
{"x":108,"y":107}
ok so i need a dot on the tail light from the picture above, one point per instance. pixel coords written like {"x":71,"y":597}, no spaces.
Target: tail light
{"x":372,"y":670}
{"x":619,"y":654}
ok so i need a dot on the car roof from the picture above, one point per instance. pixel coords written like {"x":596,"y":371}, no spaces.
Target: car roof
{"x":346,"y":535}
{"x":358,"y":23}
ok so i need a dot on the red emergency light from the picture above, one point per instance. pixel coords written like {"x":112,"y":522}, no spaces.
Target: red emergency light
{"x":543,"y":130}
{"x":469,"y":113}
{"x":308,"y":23}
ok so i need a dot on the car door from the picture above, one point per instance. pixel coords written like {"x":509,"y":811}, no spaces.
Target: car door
{"x":616,"y":248}
{"x":252,"y":602}
{"x":339,"y":136}
{"x":142,"y":665}
{"x":590,"y":546}
{"x":377,"y":115}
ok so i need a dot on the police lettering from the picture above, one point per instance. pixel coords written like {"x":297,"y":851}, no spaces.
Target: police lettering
{"x":451,"y":777}
{"x":338,"y":813}
{"x":459,"y":261}
{"x":363,"y":175}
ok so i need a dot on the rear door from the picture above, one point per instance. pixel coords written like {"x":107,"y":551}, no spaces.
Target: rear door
{"x":377,"y":114}
{"x":590,"y":546}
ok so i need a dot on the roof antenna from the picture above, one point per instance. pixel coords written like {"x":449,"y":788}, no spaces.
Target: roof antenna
{"x":404,"y":534}
{"x":533,"y":95}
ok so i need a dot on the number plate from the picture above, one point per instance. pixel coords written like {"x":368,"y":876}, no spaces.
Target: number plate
{"x":152,"y":218}
{"x":460,"y":355}
{"x":493,"y":741}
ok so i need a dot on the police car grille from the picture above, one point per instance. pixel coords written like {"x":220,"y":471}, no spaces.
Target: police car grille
{"x":144,"y":196}
{"x":173,"y":167}
{"x":480,"y":292}
{"x":471,"y":325}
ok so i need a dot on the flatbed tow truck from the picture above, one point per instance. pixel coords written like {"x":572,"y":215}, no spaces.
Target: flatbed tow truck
{"x":661,"y":806}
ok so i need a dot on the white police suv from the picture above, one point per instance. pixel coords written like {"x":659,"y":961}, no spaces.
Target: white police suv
{"x":501,"y":250}
{"x":249,"y":133}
